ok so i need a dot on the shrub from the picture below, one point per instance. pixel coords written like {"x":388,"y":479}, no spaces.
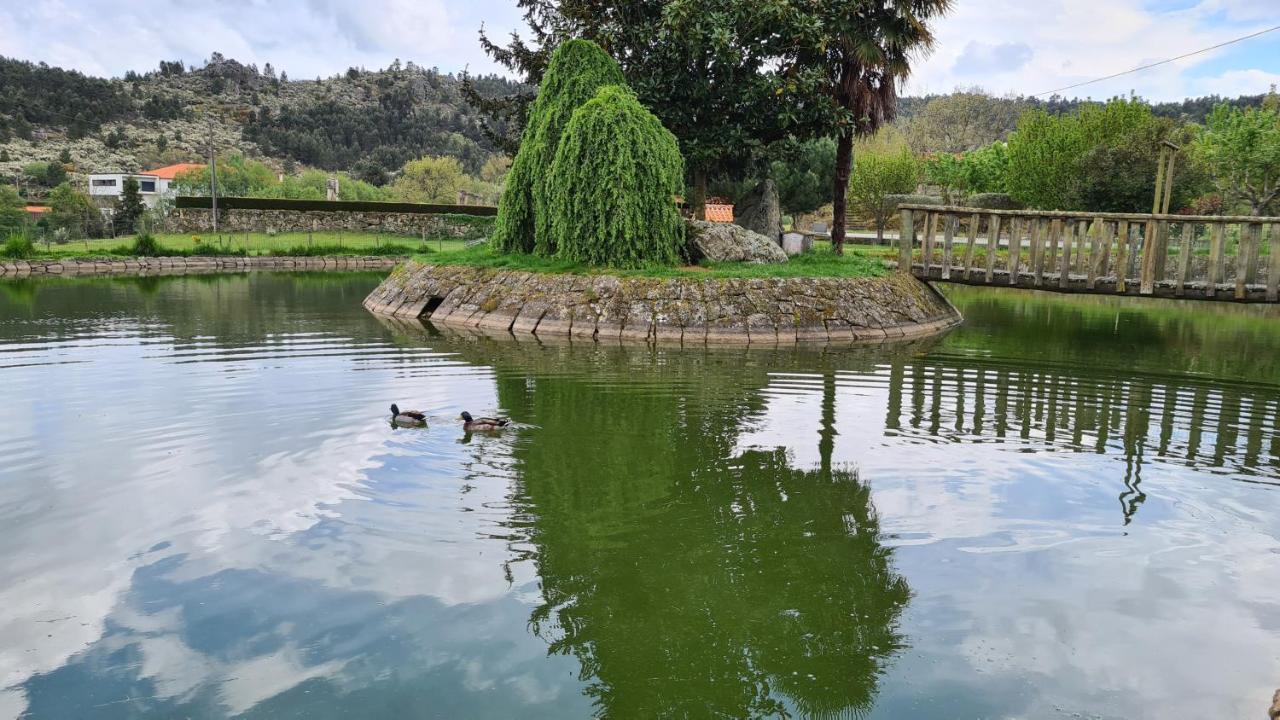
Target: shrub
{"x":993,"y":201}
{"x":577,"y":69}
{"x":613,"y":183}
{"x":18,"y":247}
{"x":146,"y":245}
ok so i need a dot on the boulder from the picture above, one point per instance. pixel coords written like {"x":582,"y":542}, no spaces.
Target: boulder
{"x":727,"y":242}
{"x":760,"y":211}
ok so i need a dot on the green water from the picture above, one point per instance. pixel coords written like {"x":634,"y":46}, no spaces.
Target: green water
{"x":1064,"y":509}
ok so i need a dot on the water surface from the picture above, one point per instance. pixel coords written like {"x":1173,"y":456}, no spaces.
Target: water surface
{"x":1066,"y":508}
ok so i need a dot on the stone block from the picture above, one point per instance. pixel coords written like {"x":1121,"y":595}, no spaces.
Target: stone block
{"x":794,"y":243}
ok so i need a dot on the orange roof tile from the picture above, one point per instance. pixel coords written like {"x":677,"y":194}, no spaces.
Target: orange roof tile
{"x":719,"y":213}
{"x":169,"y":172}
{"x":39,"y":209}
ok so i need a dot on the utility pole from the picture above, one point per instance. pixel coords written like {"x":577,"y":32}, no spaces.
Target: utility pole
{"x":213,"y":178}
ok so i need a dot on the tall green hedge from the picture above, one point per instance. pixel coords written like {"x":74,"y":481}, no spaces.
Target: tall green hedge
{"x":578,"y":68}
{"x":613,"y":183}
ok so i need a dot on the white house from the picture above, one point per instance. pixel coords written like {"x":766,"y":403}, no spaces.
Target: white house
{"x":152,"y":184}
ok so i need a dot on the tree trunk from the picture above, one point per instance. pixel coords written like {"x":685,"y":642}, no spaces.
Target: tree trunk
{"x":844,"y":162}
{"x":698,"y":199}
{"x":880,"y":223}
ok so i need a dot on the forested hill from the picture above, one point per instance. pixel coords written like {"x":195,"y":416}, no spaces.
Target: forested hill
{"x":368,"y":122}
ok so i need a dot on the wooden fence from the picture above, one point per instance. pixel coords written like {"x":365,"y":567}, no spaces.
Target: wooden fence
{"x":1186,"y":256}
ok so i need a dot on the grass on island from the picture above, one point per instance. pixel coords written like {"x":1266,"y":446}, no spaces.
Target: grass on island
{"x":858,"y":261}
{"x":252,"y":244}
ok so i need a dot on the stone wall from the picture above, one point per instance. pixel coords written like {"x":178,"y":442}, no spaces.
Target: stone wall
{"x":189,"y":265}
{"x":197,"y":220}
{"x":688,"y":310}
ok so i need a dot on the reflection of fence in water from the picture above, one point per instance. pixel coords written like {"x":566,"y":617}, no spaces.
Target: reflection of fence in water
{"x":1144,"y":418}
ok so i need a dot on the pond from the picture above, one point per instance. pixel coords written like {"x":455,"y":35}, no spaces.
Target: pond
{"x":1065,"y":508}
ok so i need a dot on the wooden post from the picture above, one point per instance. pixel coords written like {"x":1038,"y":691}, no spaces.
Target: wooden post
{"x":1184,"y":259}
{"x":948,"y":236}
{"x":1122,"y":256}
{"x":974,"y":220}
{"x":1095,"y":252}
{"x":1168,"y":183}
{"x":1055,"y":231}
{"x":1064,"y":264}
{"x":1035,"y":229}
{"x":1108,"y":232}
{"x":1155,"y":202}
{"x":1216,"y":238}
{"x":1247,"y":261}
{"x":1015,"y":250}
{"x":1147,"y":284}
{"x":1273,"y":269}
{"x":993,"y":246}
{"x":927,"y":245}
{"x":1255,"y":249}
{"x":906,"y":239}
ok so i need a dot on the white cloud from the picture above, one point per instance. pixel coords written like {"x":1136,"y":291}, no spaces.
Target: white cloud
{"x":303,"y":37}
{"x":1072,"y":41}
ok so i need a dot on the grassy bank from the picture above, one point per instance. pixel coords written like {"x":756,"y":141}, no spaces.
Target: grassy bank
{"x":856,"y":262}
{"x":320,"y":243}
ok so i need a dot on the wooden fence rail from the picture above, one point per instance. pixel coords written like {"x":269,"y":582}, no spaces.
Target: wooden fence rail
{"x":1209,"y":257}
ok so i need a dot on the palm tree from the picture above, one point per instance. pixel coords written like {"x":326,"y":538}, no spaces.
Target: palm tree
{"x":856,"y":53}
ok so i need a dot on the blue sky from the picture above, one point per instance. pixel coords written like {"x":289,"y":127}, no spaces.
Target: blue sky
{"x":1003,"y":46}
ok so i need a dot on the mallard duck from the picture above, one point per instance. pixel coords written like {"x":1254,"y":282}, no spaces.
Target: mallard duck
{"x":407,"y":418}
{"x":484,"y":424}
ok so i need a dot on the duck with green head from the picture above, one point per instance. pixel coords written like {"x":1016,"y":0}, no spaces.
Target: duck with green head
{"x":407,"y":418}
{"x":483,"y":424}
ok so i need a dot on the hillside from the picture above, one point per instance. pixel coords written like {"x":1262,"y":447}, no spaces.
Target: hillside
{"x":366,"y":122}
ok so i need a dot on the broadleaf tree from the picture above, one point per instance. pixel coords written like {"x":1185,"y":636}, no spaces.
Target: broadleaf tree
{"x":1241,"y":149}
{"x":883,"y":166}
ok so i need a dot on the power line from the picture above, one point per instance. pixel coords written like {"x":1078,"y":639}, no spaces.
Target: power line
{"x":1162,"y":62}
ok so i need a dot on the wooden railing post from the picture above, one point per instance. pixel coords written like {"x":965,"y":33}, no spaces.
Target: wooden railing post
{"x":948,"y":237}
{"x":926,"y":245}
{"x":906,"y":239}
{"x":1217,"y":236}
{"x":1273,"y":267}
{"x":993,"y":246}
{"x":1122,"y":256}
{"x":1095,"y":253}
{"x":1147,"y":283}
{"x":1015,"y":249}
{"x":1184,"y":259}
{"x":1064,"y":263}
{"x":972,"y":238}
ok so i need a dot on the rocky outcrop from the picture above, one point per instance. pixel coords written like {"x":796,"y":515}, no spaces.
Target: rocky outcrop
{"x":686,"y":310}
{"x":200,"y":220}
{"x":189,"y":265}
{"x":727,"y":242}
{"x":760,"y":211}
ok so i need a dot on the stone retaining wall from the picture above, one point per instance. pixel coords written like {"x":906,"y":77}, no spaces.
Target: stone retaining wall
{"x":189,"y":265}
{"x":687,"y":310}
{"x":197,"y":220}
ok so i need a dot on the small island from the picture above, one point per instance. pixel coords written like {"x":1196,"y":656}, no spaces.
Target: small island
{"x":589,"y":242}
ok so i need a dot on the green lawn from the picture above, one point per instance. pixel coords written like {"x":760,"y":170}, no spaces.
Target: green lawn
{"x":255,"y":244}
{"x":858,"y":261}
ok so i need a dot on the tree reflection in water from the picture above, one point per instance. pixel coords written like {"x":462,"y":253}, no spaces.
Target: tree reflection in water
{"x":687,"y":581}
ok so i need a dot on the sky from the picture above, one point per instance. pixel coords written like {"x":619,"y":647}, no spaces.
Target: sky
{"x":1002,"y":46}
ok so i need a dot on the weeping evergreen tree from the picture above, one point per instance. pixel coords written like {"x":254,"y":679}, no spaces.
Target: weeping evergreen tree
{"x":613,"y":183}
{"x":578,"y":68}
